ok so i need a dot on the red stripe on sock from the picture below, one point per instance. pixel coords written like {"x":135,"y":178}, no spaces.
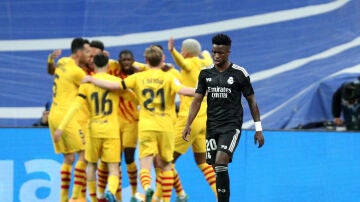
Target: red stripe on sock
{"x":66,"y":179}
{"x":78,"y":183}
{"x":79,"y":170}
{"x":102,"y":171}
{"x":65,"y":173}
{"x":167,"y":184}
{"x":65,"y":186}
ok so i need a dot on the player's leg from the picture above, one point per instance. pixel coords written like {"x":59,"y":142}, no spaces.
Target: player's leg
{"x":166,"y":150}
{"x":79,"y":176}
{"x":181,"y":147}
{"x":102,"y":174}
{"x":92,"y":155}
{"x":85,"y":128}
{"x":78,"y":140}
{"x":158,"y":166}
{"x":199,"y":149}
{"x":110,"y":153}
{"x":147,"y":140}
{"x":226,"y":145}
{"x":129,"y":138}
{"x":69,"y":144}
{"x":91,"y":180}
{"x":65,"y":173}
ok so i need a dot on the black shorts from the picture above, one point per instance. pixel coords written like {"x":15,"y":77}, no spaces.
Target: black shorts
{"x":225,"y":140}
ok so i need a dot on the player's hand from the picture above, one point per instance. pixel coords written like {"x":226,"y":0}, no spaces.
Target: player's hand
{"x":186,"y":133}
{"x":57,"y":135}
{"x":259,"y":138}
{"x":205,"y":52}
{"x":55,"y":53}
{"x":87,"y":79}
{"x":171,"y":44}
{"x":338,"y":121}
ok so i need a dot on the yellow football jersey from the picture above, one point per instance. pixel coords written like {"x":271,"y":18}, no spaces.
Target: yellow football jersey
{"x":190,"y":70}
{"x":83,"y":114}
{"x":62,"y":61}
{"x":67,"y":79}
{"x":128,"y":110}
{"x":155,"y":90}
{"x":103,"y":107}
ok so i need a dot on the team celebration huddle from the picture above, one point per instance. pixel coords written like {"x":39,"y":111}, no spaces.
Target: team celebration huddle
{"x":103,"y":108}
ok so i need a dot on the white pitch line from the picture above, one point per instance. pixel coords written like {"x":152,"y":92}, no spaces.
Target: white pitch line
{"x":261,"y":75}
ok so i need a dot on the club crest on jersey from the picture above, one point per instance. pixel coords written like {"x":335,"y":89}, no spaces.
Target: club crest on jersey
{"x":208,"y":79}
{"x":230,"y":80}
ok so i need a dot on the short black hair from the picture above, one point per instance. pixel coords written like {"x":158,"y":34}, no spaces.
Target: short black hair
{"x":77,"y":44}
{"x":100,"y":60}
{"x":126,"y":51}
{"x":221,"y":39}
{"x":97,"y":44}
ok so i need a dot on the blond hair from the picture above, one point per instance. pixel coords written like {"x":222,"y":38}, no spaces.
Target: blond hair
{"x":153,"y":55}
{"x":192,"y":46}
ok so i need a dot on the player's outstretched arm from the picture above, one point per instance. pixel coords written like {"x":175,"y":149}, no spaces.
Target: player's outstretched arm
{"x":258,"y":137}
{"x":194,"y":109}
{"x":102,"y":83}
{"x":187,"y":91}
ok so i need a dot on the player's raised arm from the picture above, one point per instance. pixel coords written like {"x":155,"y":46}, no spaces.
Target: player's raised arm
{"x":51,"y":61}
{"x":178,"y":58}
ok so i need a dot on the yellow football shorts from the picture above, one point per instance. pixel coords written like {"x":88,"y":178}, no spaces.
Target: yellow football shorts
{"x":72,"y":139}
{"x":106,"y":149}
{"x":153,"y":142}
{"x":197,"y":136}
{"x":129,"y":134}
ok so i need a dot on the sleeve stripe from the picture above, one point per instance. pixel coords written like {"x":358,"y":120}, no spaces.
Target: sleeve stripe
{"x":123,"y":84}
{"x":81,"y":95}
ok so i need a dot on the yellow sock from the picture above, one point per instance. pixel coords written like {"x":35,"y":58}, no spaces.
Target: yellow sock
{"x":65,"y":173}
{"x":92,"y":190}
{"x":167,"y":182}
{"x":177,"y":184}
{"x":113,"y":182}
{"x":103,"y":174}
{"x":145,"y":178}
{"x":83,"y":189}
{"x":118,"y":194}
{"x":79,"y":179}
{"x":209,"y":175}
{"x":132,"y":173}
{"x":158,"y":190}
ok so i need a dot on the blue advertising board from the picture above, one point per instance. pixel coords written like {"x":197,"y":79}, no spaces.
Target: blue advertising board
{"x":292,"y":166}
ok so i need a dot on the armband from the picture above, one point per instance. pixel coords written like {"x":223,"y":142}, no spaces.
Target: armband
{"x":258,"y":126}
{"x":50,"y":59}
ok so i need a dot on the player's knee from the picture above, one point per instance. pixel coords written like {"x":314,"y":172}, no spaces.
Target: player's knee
{"x":129,"y":155}
{"x":69,"y":159}
{"x":200,"y":158}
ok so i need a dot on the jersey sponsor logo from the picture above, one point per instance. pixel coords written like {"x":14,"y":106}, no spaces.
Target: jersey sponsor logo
{"x":218,"y":92}
{"x":208,"y":79}
{"x":230,"y":80}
